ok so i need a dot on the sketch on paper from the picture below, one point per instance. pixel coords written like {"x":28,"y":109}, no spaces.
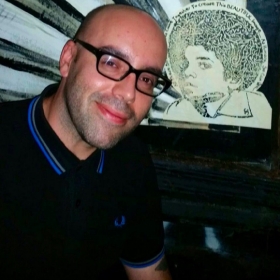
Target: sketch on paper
{"x":218,"y":59}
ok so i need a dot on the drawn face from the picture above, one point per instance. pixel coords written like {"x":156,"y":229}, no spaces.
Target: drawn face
{"x":204,"y":73}
{"x":104,"y":111}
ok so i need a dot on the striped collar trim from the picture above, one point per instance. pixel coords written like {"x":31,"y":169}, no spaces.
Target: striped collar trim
{"x":53,"y":161}
{"x":144,"y":264}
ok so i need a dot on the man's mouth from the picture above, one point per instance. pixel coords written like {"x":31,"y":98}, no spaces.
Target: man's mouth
{"x":112,"y":115}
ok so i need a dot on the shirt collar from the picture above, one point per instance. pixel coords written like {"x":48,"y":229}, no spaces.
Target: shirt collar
{"x":237,"y":106}
{"x":59,"y":157}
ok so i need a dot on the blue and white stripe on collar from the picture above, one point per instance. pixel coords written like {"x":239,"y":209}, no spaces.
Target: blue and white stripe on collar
{"x":58,"y":168}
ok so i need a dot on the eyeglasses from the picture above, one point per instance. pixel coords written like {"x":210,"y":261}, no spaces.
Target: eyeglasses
{"x":116,"y":69}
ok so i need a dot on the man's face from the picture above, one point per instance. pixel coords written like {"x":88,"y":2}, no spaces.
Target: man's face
{"x":204,"y":73}
{"x":104,"y":111}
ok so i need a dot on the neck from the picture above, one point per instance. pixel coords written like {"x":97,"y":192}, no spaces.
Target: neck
{"x":58,"y":118}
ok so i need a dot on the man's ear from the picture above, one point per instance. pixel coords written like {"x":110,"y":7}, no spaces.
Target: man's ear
{"x":67,"y":56}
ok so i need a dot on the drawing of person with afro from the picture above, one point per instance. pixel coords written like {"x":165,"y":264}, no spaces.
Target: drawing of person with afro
{"x":217,"y":60}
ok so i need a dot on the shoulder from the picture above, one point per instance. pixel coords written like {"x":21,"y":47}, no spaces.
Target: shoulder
{"x":260,"y":108}
{"x":259,"y":105}
{"x":251,"y":108}
{"x":16,"y":141}
{"x":257,"y":97}
{"x":13,"y":112}
{"x":13,"y":107}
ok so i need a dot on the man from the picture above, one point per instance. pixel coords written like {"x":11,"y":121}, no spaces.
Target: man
{"x":76,"y":197}
{"x":217,"y":60}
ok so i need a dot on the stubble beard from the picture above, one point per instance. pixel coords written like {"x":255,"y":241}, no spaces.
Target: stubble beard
{"x":91,"y":128}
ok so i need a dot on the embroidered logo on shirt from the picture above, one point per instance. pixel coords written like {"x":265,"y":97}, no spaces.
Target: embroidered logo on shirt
{"x":120,"y":221}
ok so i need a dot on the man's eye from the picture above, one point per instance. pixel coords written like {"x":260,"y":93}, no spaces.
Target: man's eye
{"x":147,"y":80}
{"x":204,"y":65}
{"x":109,"y":62}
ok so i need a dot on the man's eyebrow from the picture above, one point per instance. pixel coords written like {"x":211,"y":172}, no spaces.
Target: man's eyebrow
{"x":153,"y":70}
{"x":204,"y":58}
{"x":126,"y":57}
{"x":115,"y":52}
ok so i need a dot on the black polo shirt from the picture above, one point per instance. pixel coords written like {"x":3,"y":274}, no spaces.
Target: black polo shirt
{"x":64,"y":217}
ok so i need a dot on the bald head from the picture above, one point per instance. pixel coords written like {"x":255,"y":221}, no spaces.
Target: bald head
{"x":123,"y":20}
{"x":110,"y":10}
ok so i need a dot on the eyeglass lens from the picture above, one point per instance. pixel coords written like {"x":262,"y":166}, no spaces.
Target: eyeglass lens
{"x":115,"y":68}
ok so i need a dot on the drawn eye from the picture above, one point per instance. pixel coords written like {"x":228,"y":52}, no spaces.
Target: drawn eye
{"x":204,"y":65}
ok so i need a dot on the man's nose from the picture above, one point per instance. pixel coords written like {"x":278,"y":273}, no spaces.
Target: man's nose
{"x":125,"y":89}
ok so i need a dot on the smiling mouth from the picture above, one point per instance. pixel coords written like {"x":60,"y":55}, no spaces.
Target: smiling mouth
{"x":188,"y":92}
{"x":113,"y":116}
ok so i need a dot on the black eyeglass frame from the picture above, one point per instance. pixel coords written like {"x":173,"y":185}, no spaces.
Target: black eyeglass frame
{"x":99,"y":53}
